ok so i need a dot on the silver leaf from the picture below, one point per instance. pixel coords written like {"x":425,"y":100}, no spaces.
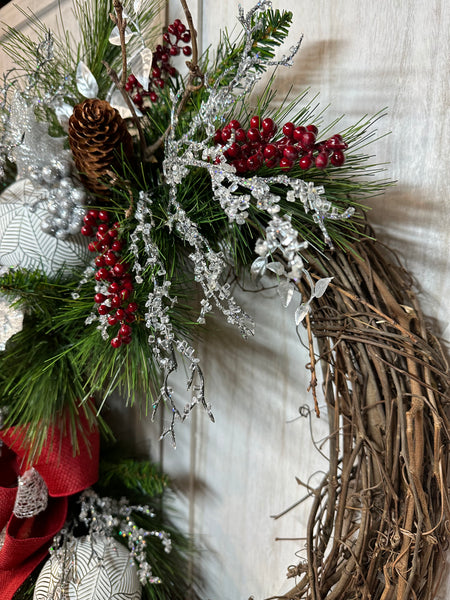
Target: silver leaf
{"x":114,"y":37}
{"x":258,"y":267}
{"x":140,"y":65}
{"x":86,"y":82}
{"x":63,"y":112}
{"x":276,"y":268}
{"x":137,"y":6}
{"x":301,"y":312}
{"x":117,"y":101}
{"x":286,"y":292}
{"x":321,"y":286}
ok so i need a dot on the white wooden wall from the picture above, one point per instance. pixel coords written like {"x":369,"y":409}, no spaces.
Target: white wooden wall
{"x":232,"y":475}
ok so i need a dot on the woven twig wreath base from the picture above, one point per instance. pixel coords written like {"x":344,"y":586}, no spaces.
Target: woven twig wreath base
{"x":378,"y":527}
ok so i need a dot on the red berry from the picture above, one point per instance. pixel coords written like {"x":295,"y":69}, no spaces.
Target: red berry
{"x":313,"y":129}
{"x":99,"y":261}
{"x":253,"y":135}
{"x":305,"y":162}
{"x":103,"y":309}
{"x":102,"y":274}
{"x":337,"y":158}
{"x":125,"y":330}
{"x":116,"y":342}
{"x":307,"y":140}
{"x":126,"y":339}
{"x":286,"y":164}
{"x":89,"y":220}
{"x":298,"y":133}
{"x":322,"y":160}
{"x":120,"y":314}
{"x":234,"y":151}
{"x":156,"y":72}
{"x":116,"y":245}
{"x":112,"y":320}
{"x":254,"y":162}
{"x":153,"y":97}
{"x":110,"y":259}
{"x":103,"y":228}
{"x":92,"y":247}
{"x":99,"y":298}
{"x":240,"y":135}
{"x":271,"y":162}
{"x":226,"y":134}
{"x":137,"y":98}
{"x":336,"y":142}
{"x":255,"y":122}
{"x":119,"y":269}
{"x":113,"y":233}
{"x":174,"y":51}
{"x":187,"y":50}
{"x":270,"y":151}
{"x":268,"y":125}
{"x":129,"y":318}
{"x":186,"y":37}
{"x":234,"y":124}
{"x":218,"y":137}
{"x":181,"y":28}
{"x":132,"y":79}
{"x":288,"y":129}
{"x":116,"y":301}
{"x":290,"y":152}
{"x":125,"y":294}
{"x":166,"y":36}
{"x":240,"y":165}
{"x":132,"y":307}
{"x":87,"y":231}
{"x":165,"y":57}
{"x":115,"y":287}
{"x":129,"y":86}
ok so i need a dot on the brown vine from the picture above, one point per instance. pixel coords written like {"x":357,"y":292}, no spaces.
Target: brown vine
{"x":379,"y":525}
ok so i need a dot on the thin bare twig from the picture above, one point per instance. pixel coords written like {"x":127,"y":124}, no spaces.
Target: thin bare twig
{"x":194,"y":82}
{"x":121,"y":24}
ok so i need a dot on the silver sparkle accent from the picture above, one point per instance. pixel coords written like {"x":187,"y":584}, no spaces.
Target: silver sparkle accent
{"x":32,"y":495}
{"x":105,"y":517}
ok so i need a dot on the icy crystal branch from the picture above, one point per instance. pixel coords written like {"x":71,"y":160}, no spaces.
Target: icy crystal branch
{"x":162,"y":338}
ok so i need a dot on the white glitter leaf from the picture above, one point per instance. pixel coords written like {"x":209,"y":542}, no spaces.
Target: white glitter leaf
{"x":286,"y":292}
{"x":140,"y":65}
{"x":86,"y":83}
{"x":114,"y":37}
{"x":137,"y":4}
{"x":258,"y":267}
{"x":117,"y":101}
{"x":301,"y":312}
{"x":276,"y":268}
{"x":321,"y":286}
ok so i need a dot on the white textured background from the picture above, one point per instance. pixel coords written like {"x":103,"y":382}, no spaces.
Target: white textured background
{"x":362,"y":56}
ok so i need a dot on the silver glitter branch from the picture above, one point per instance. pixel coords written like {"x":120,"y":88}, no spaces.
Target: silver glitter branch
{"x":162,"y":339}
{"x":105,"y":517}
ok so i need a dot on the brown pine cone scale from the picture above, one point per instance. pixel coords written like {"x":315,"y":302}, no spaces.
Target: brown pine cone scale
{"x":100,"y":141}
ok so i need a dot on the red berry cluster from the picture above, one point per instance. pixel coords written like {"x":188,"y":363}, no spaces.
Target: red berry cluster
{"x":175,"y":36}
{"x":112,"y":270}
{"x":255,"y":147}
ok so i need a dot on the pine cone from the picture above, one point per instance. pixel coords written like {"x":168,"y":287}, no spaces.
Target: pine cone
{"x":99,"y":140}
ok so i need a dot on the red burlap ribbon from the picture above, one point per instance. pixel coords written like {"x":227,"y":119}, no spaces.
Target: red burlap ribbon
{"x":26,"y":541}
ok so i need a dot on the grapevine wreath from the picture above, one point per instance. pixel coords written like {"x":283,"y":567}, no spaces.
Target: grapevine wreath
{"x":133,"y":200}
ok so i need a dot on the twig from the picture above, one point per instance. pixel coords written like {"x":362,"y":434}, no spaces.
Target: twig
{"x":312,"y":366}
{"x":195,"y":74}
{"x":121,"y":24}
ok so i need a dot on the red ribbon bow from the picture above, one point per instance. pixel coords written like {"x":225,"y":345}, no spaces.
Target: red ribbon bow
{"x":26,"y":541}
